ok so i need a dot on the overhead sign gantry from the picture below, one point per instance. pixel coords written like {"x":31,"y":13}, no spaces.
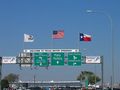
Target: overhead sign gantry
{"x":54,"y":57}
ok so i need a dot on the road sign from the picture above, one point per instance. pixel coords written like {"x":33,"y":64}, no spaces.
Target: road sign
{"x":41,"y":59}
{"x":25,"y":59}
{"x":93,"y":59}
{"x":50,"y":50}
{"x":57,"y":59}
{"x":74,"y":59}
{"x":9,"y":59}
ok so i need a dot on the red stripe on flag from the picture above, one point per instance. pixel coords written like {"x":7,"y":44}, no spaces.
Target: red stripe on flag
{"x":58,"y":35}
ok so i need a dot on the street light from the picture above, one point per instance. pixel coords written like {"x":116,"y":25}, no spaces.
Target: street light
{"x":112,"y":38}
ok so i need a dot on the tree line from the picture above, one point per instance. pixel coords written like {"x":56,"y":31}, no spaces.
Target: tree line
{"x":84,"y":75}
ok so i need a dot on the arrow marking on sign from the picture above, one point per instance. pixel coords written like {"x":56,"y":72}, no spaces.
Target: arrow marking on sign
{"x":40,"y":63}
{"x":40,"y":58}
{"x":74,"y":63}
{"x":57,"y":62}
{"x":74,"y":57}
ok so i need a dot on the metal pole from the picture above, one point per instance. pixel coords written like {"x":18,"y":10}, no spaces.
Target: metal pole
{"x":0,"y":71}
{"x":0,"y":75}
{"x":34,"y":80}
{"x":112,"y":40}
{"x":95,"y":76}
{"x":102,"y":72}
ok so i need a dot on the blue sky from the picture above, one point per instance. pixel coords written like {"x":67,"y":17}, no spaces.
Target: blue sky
{"x":40,"y":17}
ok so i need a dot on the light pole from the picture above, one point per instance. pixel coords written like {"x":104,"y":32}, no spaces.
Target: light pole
{"x":112,"y":39}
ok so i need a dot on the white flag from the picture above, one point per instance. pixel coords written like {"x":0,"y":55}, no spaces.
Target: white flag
{"x":28,"y":38}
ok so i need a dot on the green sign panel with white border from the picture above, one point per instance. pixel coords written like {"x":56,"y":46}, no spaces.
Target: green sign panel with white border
{"x":41,"y":59}
{"x":57,"y":59}
{"x":74,"y":59}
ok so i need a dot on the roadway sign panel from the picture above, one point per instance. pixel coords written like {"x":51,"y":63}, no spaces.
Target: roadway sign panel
{"x":93,"y":59}
{"x":57,"y":59}
{"x":74,"y":59}
{"x":41,"y":59}
{"x":9,"y":59}
{"x":50,"y":50}
{"x":25,"y":59}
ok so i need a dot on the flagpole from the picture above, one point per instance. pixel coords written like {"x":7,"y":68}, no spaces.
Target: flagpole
{"x":79,"y":41}
{"x":23,"y":46}
{"x":51,"y":41}
{"x":24,"y":42}
{"x":22,"y":49}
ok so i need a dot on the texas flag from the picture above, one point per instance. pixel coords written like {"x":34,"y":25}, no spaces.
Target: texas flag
{"x":85,"y":37}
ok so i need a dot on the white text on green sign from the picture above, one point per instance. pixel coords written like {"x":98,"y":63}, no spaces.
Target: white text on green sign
{"x":74,"y":59}
{"x":41,"y":59}
{"x":57,"y":58}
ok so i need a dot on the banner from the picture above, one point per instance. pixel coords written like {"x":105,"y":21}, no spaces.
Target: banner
{"x":50,"y":50}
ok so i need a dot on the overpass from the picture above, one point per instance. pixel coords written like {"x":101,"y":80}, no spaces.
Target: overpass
{"x":50,"y":83}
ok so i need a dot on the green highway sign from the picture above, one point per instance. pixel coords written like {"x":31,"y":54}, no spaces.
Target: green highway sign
{"x":41,"y":59}
{"x":86,"y":83}
{"x":74,"y":59}
{"x":57,"y":59}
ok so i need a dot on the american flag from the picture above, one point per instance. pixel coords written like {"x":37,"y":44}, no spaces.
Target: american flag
{"x":58,"y":34}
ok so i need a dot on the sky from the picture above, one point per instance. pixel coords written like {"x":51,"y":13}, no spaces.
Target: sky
{"x":40,"y":17}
